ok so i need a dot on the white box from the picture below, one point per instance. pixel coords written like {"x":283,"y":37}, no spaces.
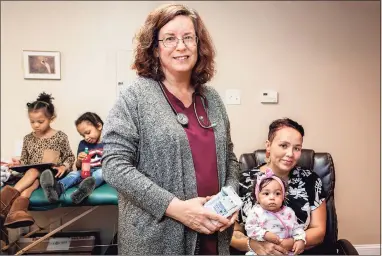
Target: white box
{"x":269,"y":96}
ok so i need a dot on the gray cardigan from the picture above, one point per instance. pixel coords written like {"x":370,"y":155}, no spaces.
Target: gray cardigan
{"x":147,"y":158}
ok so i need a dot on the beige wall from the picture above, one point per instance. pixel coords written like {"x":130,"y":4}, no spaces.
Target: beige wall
{"x":322,"y":57}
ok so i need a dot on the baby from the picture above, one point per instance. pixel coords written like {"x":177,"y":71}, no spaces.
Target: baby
{"x":270,"y":220}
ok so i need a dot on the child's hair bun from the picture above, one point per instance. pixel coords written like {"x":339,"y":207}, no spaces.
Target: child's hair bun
{"x":45,"y":97}
{"x":43,"y":100}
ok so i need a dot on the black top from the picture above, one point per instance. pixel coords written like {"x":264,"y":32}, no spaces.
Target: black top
{"x":304,"y":193}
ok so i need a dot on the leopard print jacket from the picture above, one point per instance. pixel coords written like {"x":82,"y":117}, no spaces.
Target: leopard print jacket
{"x":58,"y":148}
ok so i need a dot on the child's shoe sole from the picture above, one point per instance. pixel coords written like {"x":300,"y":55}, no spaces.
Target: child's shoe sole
{"x":47,"y":183}
{"x":85,"y":188}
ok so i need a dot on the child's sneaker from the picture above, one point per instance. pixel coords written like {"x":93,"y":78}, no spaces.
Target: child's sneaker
{"x":51,"y":187}
{"x":85,"y":188}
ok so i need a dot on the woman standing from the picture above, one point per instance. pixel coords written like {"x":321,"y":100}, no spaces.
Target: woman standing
{"x":167,"y":143}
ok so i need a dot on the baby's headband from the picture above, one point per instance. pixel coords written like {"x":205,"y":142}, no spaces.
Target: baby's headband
{"x":268,"y":175}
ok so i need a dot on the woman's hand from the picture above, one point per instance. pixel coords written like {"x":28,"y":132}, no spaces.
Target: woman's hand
{"x":267,"y":248}
{"x":231,"y":219}
{"x":193,"y":215}
{"x":287,"y":243}
{"x":60,"y":171}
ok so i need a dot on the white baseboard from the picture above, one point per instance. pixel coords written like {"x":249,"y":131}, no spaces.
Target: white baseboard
{"x":368,"y":249}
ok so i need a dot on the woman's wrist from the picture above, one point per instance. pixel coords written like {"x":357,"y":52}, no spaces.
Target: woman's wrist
{"x":254,"y":244}
{"x":239,"y":241}
{"x":173,"y":210}
{"x":249,"y":245}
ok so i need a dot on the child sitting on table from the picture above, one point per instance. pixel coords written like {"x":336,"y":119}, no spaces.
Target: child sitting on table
{"x":44,"y":144}
{"x":89,"y":125}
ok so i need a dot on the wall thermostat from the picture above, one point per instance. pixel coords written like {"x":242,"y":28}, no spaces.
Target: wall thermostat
{"x":269,"y":97}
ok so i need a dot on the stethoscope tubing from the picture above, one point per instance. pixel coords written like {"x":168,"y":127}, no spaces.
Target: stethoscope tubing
{"x":204,"y":102}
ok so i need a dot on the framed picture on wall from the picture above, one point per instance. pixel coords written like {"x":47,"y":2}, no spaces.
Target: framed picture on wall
{"x":42,"y":65}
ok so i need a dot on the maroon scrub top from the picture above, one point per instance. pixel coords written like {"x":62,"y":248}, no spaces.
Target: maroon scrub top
{"x":203,"y":149}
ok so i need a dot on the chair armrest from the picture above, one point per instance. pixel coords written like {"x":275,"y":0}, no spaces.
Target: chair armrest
{"x":346,"y":248}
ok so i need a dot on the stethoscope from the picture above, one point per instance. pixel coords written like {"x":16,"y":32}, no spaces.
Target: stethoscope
{"x":182,"y":118}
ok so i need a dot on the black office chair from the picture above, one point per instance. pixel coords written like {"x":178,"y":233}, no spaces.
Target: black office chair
{"x":322,"y":164}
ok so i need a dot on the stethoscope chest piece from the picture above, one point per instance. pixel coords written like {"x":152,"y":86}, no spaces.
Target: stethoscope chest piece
{"x":182,"y":119}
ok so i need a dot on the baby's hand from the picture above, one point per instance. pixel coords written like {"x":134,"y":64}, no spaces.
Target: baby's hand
{"x":81,"y":156}
{"x":271,"y":237}
{"x":298,"y":247}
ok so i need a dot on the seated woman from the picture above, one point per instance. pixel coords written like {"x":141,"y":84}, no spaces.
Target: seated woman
{"x":304,"y":195}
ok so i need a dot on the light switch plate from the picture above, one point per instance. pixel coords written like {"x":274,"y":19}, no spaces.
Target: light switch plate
{"x":232,"y":97}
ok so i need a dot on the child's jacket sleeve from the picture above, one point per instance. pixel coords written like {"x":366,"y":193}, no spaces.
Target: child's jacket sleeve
{"x":254,"y":226}
{"x":298,"y":232}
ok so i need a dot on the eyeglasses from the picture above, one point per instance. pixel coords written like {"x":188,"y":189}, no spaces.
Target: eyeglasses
{"x":172,"y":41}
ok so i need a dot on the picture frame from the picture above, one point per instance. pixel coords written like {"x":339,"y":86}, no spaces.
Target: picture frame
{"x":42,"y":65}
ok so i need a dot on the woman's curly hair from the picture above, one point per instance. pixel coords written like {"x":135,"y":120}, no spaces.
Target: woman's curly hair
{"x":145,"y":62}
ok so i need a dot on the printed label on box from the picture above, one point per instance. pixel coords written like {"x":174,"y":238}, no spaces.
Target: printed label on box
{"x":59,"y":244}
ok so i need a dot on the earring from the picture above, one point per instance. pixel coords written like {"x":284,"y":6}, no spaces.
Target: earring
{"x":267,"y":157}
